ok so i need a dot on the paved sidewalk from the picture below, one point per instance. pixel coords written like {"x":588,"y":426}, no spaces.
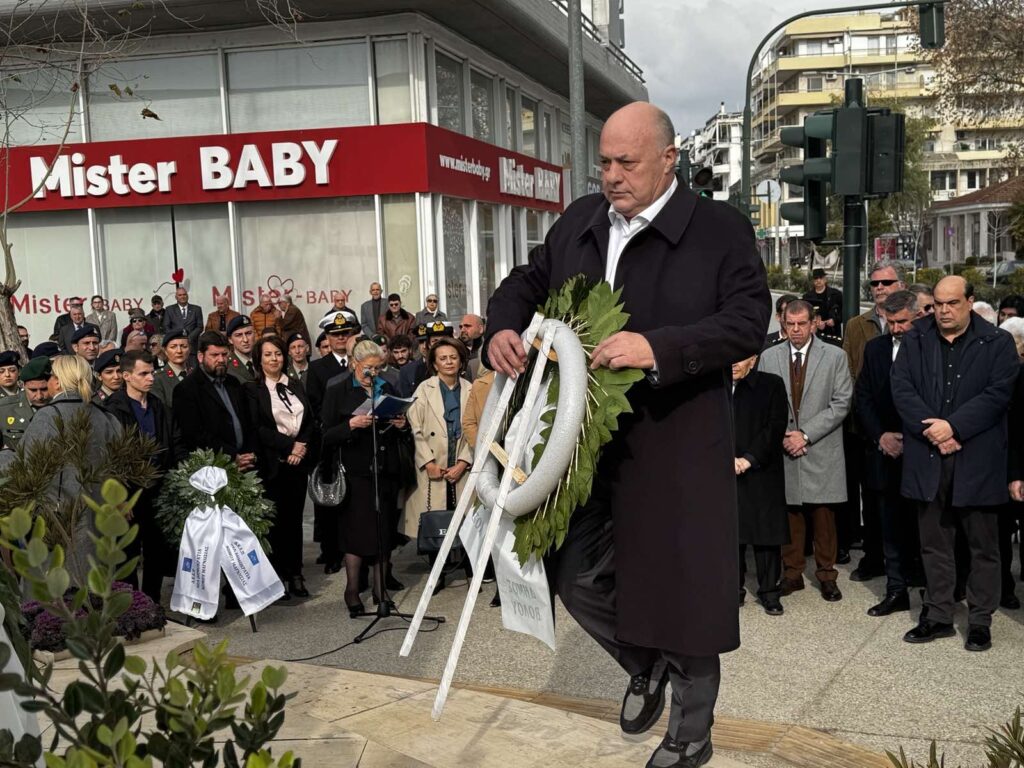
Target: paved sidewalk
{"x":821,"y":665}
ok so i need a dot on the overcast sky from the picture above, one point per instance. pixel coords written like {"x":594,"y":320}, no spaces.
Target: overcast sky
{"x":695,"y":53}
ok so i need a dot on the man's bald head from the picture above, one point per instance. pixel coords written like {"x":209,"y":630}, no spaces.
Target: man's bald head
{"x":638,"y":157}
{"x":954,"y":300}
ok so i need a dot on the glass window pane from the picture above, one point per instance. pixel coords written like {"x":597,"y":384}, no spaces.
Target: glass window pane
{"x":184,"y":91}
{"x":534,"y":228}
{"x":448,"y":73}
{"x":510,"y":118}
{"x":401,"y":248}
{"x":486,"y":220}
{"x":391,"y":63}
{"x":138,"y":249}
{"x":311,"y":247}
{"x":528,"y":121}
{"x":481,"y":94}
{"x":52,"y":258}
{"x":456,"y":256}
{"x":315,"y":87}
{"x":38,"y":105}
{"x":549,"y":150}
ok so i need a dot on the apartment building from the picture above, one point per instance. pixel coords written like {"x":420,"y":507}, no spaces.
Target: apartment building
{"x":718,"y":146}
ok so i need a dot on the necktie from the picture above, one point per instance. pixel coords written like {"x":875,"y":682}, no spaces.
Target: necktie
{"x":250,"y":369}
{"x":222,"y":325}
{"x":799,"y":355}
{"x":183,"y":312}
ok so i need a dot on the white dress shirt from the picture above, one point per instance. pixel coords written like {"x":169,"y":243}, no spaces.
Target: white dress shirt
{"x":802,"y":350}
{"x":895,"y":347}
{"x":622,"y":231}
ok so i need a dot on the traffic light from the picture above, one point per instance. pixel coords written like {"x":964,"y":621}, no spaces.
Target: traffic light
{"x":932,"y":29}
{"x":703,"y":181}
{"x":887,"y":141}
{"x":812,"y":174}
{"x":850,"y":151}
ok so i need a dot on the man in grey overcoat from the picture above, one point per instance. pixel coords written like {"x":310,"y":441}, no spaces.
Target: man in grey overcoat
{"x":819,"y":391}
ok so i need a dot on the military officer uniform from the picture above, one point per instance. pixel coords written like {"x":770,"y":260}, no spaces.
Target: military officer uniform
{"x":164,"y":382}
{"x":244,"y":371}
{"x":16,"y":412}
{"x":9,"y":358}
{"x":293,"y":372}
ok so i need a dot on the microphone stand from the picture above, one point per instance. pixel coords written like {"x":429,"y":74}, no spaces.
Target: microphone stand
{"x":385,"y":608}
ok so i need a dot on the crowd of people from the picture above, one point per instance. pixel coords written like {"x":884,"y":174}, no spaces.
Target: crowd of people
{"x":901,"y":430}
{"x":279,"y":403}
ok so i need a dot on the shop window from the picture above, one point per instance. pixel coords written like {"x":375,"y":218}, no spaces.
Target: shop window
{"x":528,"y":121}
{"x":52,"y":258}
{"x":401,"y":249}
{"x":184,"y":91}
{"x":285,"y":88}
{"x":39,"y":105}
{"x":138,"y":249}
{"x":391,"y":70}
{"x":481,"y":96}
{"x":312,"y":247}
{"x":487,"y":252}
{"x":510,"y":118}
{"x":448,"y":74}
{"x":549,"y":150}
{"x":456,"y":256}
{"x":535,"y":230}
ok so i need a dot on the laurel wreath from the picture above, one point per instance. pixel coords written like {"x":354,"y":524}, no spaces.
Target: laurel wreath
{"x":593,"y":312}
{"x":243,"y":495}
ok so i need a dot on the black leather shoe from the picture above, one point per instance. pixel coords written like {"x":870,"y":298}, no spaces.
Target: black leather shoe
{"x":830,"y":592}
{"x":297,"y":586}
{"x":979,"y":638}
{"x":891,"y":603}
{"x":860,"y":573}
{"x":649,"y":696}
{"x":332,"y":567}
{"x":321,"y":559}
{"x":789,"y":586}
{"x":1010,"y":601}
{"x":356,"y":609}
{"x":927,"y":630}
{"x":496,"y":600}
{"x":393,"y":584}
{"x":440,"y":585}
{"x":843,"y":557}
{"x":772,"y":607}
{"x":662,"y":757}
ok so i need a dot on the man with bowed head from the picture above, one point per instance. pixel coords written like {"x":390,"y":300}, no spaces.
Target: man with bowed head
{"x":663,"y":507}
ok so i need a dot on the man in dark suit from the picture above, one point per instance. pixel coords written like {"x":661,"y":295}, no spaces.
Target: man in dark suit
{"x":210,"y":407}
{"x":183,"y":316}
{"x":663,"y":507}
{"x":372,"y":309}
{"x":952,"y":382}
{"x":76,"y":322}
{"x":775,"y":337}
{"x":340,"y":326}
{"x":133,"y":406}
{"x":882,"y":431}
{"x":829,"y":299}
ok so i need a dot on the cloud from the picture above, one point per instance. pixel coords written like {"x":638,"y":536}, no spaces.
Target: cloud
{"x":695,"y":53}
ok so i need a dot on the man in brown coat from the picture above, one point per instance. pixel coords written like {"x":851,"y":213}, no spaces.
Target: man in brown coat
{"x":292,"y":319}
{"x":649,"y":566}
{"x":220,"y":317}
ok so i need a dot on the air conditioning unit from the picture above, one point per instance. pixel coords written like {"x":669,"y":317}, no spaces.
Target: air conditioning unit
{"x":835,"y":41}
{"x":831,"y":75}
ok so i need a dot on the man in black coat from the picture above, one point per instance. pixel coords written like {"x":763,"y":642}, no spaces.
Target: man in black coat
{"x":952,"y":382}
{"x":133,"y":407}
{"x":829,"y":299}
{"x":882,"y":430}
{"x":210,"y":408}
{"x":649,"y":565}
{"x":340,"y":326}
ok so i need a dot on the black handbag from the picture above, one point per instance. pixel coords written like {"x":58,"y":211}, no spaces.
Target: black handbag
{"x":433,"y":526}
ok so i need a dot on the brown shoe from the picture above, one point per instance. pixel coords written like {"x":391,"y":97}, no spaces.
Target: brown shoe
{"x":789,"y":586}
{"x":830,"y":591}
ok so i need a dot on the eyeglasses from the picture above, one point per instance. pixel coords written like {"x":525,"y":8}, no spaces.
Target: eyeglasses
{"x":431,"y":301}
{"x":394,"y":303}
{"x":373,"y":369}
{"x":928,"y":308}
{"x":876,"y":283}
{"x":138,"y":319}
{"x":153,"y":344}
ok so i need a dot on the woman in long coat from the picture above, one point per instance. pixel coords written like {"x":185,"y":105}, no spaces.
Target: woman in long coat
{"x":759,"y":418}
{"x":348,"y":436}
{"x":443,"y":454}
{"x":285,"y":450}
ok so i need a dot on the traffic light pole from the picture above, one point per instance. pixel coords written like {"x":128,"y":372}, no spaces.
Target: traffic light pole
{"x":855,"y":225}
{"x":745,"y":194}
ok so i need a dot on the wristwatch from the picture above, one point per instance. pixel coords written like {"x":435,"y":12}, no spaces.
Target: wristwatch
{"x":806,"y":438}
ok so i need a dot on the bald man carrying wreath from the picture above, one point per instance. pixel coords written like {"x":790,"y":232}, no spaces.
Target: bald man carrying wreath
{"x":648,"y":567}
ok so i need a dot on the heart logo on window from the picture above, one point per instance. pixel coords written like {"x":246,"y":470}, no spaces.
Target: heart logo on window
{"x":178,"y":275}
{"x":279,"y":287}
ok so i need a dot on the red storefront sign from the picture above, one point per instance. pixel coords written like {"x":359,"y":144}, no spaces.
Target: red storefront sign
{"x":277,"y":165}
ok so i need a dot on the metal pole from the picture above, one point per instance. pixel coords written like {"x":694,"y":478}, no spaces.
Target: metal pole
{"x":577,"y":103}
{"x":744,"y":196}
{"x":855,"y":224}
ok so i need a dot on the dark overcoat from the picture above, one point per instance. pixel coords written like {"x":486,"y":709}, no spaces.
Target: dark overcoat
{"x":272,"y":447}
{"x":981,"y":397}
{"x":759,"y":408}
{"x":876,"y":414}
{"x":204,"y":421}
{"x":1015,"y":455}
{"x":695,"y":288}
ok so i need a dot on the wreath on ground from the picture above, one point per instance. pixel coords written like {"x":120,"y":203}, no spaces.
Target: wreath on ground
{"x":243,"y":495}
{"x":593,"y":312}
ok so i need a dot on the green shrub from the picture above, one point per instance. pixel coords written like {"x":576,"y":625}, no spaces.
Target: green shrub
{"x":930,"y":275}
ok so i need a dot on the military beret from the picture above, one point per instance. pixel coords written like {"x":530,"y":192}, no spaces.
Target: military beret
{"x":46,"y":349}
{"x":174,"y":336}
{"x":320,"y":339}
{"x":340,"y":321}
{"x":819,"y":272}
{"x":380,"y":340}
{"x":108,"y":359}
{"x":421,"y":332}
{"x":296,"y":337}
{"x":440,"y":328}
{"x":36,"y":369}
{"x":10,"y":358}
{"x":242,"y":321}
{"x":84,"y":332}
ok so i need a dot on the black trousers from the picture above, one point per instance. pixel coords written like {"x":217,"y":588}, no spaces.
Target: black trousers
{"x":582,"y":573}
{"x":768,"y":565}
{"x":326,"y":523}
{"x":157,"y":556}
{"x":1010,"y":518}
{"x":937,"y":522}
{"x":287,"y":489}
